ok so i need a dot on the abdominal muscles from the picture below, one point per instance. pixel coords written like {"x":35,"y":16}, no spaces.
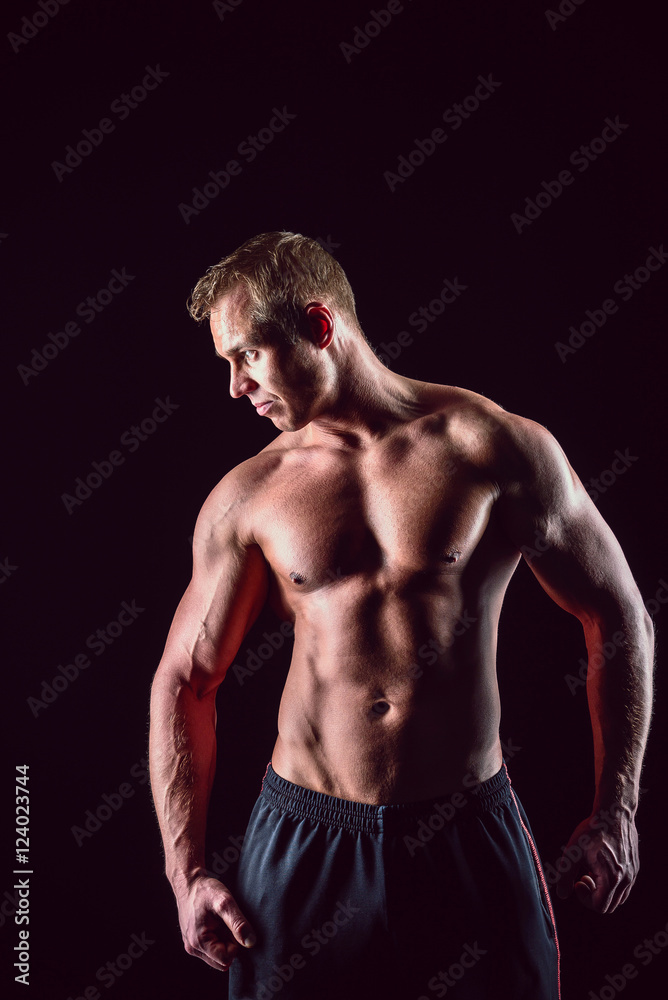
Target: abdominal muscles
{"x":390,"y":697}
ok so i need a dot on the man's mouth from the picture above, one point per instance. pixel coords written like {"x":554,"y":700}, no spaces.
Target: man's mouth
{"x":262,"y":408}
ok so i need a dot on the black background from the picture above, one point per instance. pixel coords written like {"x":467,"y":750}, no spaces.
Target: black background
{"x":323,"y":175}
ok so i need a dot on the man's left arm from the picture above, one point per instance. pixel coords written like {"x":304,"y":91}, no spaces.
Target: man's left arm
{"x":583,"y":569}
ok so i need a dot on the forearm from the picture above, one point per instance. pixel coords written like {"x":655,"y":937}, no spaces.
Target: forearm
{"x":182,"y":758}
{"x":619,"y":692}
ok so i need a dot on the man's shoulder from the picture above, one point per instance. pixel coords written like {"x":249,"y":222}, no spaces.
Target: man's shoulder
{"x":228,"y":505}
{"x":468,"y":404}
{"x":518,"y":447}
{"x":524,"y":454}
{"x":465,"y":404}
{"x":466,"y":413}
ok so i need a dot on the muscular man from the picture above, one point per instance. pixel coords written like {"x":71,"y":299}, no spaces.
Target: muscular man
{"x":387,"y":854}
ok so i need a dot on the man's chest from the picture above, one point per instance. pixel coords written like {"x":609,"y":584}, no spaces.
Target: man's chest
{"x":399,"y":508}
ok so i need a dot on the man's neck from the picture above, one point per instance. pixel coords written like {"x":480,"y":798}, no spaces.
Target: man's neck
{"x":366,"y":400}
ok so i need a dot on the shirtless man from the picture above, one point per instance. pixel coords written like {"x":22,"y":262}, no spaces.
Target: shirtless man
{"x":387,"y":854}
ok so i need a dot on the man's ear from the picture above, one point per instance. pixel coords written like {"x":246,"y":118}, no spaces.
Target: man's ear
{"x":320,"y":324}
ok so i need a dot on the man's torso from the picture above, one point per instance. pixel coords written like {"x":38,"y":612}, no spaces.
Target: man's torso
{"x":390,"y":560}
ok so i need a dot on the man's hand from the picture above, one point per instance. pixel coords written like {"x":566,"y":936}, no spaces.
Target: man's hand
{"x":212,"y":925}
{"x":600,"y":861}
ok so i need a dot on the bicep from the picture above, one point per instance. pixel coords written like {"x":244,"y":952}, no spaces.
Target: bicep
{"x":567,"y":544}
{"x":224,"y":597}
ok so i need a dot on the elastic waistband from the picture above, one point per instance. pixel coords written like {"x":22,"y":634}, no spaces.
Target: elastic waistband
{"x":304,"y":803}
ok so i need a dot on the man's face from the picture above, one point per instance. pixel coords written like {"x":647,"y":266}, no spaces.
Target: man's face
{"x":280,"y":379}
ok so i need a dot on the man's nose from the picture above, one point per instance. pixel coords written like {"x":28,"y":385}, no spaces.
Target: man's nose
{"x":240,"y":383}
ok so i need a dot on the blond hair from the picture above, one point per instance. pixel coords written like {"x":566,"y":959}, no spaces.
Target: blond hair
{"x":282,"y":272}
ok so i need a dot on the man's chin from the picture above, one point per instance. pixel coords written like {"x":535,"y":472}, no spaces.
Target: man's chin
{"x":284,"y":425}
{"x":283,"y":422}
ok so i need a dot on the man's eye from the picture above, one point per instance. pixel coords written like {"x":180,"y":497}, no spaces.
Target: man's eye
{"x":250,"y":355}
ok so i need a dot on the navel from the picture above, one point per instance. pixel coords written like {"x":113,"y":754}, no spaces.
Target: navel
{"x":451,"y":557}
{"x":380,"y":708}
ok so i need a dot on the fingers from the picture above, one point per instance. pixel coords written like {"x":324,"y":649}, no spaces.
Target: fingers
{"x":213,"y":949}
{"x":604,"y":890}
{"x":615,"y":897}
{"x":584,"y":891}
{"x":571,"y":866}
{"x":215,"y":956}
{"x":229,"y":912}
{"x":625,"y":894}
{"x":219,"y":954}
{"x":593,"y":895}
{"x":599,"y":865}
{"x":213,"y":927}
{"x":210,"y":950}
{"x":596,"y":886}
{"x":587,"y":884}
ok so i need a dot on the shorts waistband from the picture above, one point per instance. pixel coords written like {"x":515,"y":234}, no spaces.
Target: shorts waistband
{"x":304,"y":803}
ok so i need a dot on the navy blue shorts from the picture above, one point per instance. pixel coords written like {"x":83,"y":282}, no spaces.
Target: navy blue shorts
{"x":418,"y":900}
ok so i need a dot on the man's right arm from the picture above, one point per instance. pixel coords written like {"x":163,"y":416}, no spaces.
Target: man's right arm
{"x":226,"y":593}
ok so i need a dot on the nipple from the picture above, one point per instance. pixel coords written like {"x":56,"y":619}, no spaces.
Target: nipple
{"x":296,"y":578}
